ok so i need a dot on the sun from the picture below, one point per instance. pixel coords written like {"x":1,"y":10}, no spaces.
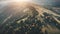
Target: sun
{"x":22,"y":0}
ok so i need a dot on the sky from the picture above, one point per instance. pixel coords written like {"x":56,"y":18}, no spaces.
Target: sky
{"x":49,"y":2}
{"x":45,"y":2}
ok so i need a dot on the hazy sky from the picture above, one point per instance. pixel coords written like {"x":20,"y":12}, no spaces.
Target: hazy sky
{"x":46,"y":2}
{"x":49,"y":2}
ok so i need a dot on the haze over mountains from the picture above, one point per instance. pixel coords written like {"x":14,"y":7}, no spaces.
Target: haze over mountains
{"x":28,"y":18}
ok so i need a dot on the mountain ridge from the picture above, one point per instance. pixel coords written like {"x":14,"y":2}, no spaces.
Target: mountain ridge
{"x":31,"y":16}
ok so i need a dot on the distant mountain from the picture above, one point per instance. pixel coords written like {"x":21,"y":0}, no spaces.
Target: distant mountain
{"x":28,"y":18}
{"x":53,"y":8}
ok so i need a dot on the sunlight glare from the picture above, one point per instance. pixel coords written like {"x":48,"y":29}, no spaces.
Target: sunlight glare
{"x":22,"y":0}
